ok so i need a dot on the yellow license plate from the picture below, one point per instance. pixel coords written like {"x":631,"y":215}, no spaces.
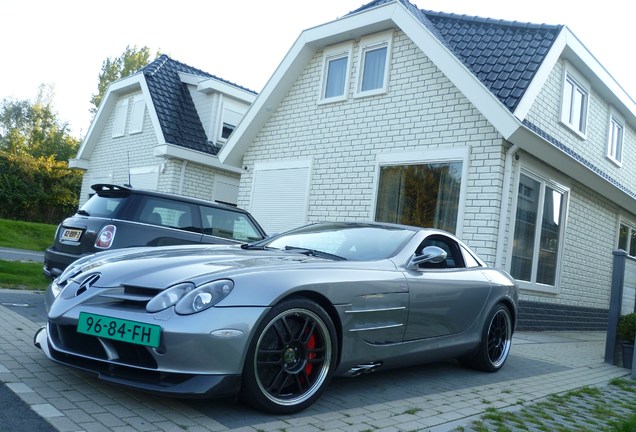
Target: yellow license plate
{"x":71,"y":234}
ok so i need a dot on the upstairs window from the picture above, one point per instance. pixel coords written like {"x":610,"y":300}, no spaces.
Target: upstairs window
{"x":575,"y":102}
{"x":138,"y":111}
{"x":121,"y":112}
{"x":374,"y":58}
{"x":335,"y":74}
{"x":615,"y":139}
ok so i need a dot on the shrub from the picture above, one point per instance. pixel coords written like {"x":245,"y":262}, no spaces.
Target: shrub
{"x":626,"y":328}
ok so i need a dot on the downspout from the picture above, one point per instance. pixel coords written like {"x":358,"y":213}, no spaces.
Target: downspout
{"x":503,"y":220}
{"x":184,"y":164}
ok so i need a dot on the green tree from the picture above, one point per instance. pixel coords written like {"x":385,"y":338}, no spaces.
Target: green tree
{"x":119,"y":67}
{"x":33,"y":128}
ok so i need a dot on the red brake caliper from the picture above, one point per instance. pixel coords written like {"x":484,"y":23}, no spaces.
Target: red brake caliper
{"x":311,"y":343}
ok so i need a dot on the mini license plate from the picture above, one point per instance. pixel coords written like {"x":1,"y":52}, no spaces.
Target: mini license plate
{"x":71,"y":234}
{"x":119,"y":329}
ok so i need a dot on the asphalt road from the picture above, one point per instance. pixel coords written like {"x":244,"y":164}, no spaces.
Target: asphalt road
{"x":10,"y":254}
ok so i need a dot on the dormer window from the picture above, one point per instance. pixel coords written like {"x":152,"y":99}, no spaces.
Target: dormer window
{"x":575,"y":101}
{"x":227,"y":130}
{"x":230,"y":120}
{"x":335,"y":74}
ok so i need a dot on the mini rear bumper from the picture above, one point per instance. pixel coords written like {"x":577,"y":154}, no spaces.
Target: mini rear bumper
{"x":55,"y":262}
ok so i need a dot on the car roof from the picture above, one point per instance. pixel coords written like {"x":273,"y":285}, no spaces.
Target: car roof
{"x":104,"y":188}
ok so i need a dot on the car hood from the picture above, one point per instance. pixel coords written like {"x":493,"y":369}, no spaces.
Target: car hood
{"x":161,"y":267}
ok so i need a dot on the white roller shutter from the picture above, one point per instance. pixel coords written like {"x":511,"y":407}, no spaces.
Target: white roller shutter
{"x":280,"y":193}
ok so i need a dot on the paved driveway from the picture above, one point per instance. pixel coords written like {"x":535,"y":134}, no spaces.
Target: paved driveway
{"x":439,"y":396}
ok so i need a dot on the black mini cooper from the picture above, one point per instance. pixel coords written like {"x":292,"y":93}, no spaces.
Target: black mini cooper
{"x":118,"y":216}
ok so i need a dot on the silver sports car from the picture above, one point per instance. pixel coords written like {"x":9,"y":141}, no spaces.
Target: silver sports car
{"x":274,"y":321}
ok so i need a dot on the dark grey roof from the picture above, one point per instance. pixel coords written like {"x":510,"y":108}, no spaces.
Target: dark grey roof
{"x":503,"y":55}
{"x":177,"y":115}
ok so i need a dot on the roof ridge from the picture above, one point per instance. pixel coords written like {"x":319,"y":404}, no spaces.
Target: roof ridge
{"x":160,"y":62}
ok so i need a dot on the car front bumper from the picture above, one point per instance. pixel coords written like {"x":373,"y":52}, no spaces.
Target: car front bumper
{"x":192,"y":361}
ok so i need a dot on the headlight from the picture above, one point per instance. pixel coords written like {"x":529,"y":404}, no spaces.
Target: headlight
{"x":55,"y":288}
{"x":169,"y":297}
{"x":188,"y":300}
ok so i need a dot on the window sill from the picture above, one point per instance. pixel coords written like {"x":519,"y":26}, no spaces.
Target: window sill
{"x":574,"y":130}
{"x":368,"y":93}
{"x":538,"y":288}
{"x":332,"y":100}
{"x":616,"y":162}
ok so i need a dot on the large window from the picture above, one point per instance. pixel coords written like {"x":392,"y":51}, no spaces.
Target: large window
{"x":426,"y":194}
{"x":575,"y":102}
{"x":627,"y":239}
{"x":539,"y":222}
{"x":335,"y":75}
{"x":615,"y":139}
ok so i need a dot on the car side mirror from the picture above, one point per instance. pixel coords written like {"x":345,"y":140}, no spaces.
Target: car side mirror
{"x":430,"y":254}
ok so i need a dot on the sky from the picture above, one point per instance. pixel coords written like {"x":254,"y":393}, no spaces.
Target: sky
{"x":63,"y":43}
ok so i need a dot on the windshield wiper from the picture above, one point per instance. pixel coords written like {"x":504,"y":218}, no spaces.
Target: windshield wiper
{"x":83,"y":212}
{"x":314,"y":252}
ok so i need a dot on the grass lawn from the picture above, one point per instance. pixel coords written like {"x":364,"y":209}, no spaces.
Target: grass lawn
{"x":29,"y":236}
{"x":26,"y":235}
{"x":22,"y":275}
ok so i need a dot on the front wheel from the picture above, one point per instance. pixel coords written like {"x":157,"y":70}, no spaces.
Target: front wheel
{"x":495,"y":344}
{"x":291,"y":358}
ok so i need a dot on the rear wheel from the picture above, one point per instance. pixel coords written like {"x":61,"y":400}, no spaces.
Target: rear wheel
{"x":291,"y":358}
{"x":495,"y":344}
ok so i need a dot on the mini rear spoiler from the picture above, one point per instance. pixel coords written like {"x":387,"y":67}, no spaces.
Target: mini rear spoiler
{"x":102,"y":187}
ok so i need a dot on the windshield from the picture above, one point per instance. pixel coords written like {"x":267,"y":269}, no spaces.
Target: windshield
{"x":347,"y":240}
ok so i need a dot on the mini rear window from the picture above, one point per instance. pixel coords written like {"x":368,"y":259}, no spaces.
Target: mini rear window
{"x":102,"y":206}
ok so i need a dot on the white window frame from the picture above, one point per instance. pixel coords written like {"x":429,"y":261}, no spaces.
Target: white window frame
{"x":615,"y":137}
{"x":138,"y":113}
{"x":121,"y":114}
{"x":367,"y":44}
{"x":458,"y":154}
{"x":335,"y":52}
{"x":553,"y":181}
{"x":574,"y":79}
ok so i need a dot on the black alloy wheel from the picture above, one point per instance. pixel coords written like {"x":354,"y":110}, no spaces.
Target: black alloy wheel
{"x":291,"y":359}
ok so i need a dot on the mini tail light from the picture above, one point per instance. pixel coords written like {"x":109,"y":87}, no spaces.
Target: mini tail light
{"x":105,"y":237}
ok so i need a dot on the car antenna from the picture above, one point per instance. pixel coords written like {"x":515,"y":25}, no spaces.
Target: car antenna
{"x":128,"y":166}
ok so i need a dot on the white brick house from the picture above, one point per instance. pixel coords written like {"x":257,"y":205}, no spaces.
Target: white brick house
{"x":161,"y":129}
{"x":511,"y":135}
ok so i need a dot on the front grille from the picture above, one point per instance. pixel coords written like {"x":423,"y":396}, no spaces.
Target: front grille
{"x":66,"y":338}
